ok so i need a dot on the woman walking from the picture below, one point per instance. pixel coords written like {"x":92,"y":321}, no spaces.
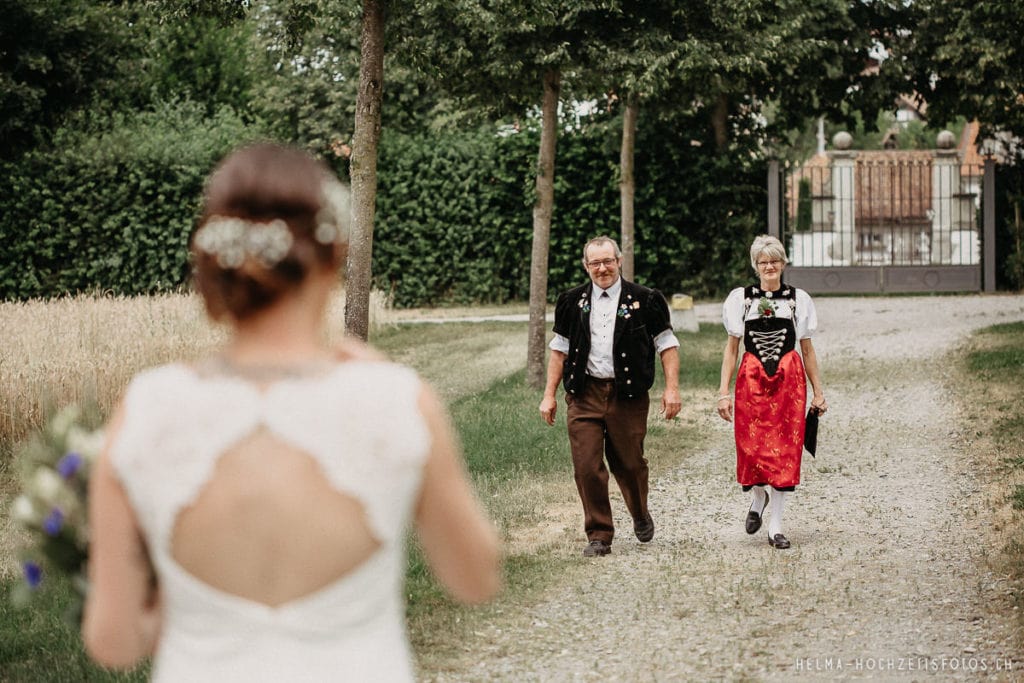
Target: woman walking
{"x":771,"y":389}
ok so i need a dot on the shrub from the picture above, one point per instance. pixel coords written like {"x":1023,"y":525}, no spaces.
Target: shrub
{"x":454,"y":212}
{"x":112,"y":209}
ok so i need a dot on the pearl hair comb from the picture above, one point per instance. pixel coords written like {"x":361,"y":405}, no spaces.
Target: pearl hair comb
{"x":233,"y":240}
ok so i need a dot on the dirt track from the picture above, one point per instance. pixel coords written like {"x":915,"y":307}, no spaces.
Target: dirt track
{"x":886,"y":579}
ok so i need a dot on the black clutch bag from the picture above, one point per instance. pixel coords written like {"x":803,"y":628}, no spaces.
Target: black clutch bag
{"x":811,"y":431}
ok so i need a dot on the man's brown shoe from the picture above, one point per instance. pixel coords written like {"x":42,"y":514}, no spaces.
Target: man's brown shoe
{"x":644,"y":528}
{"x":597,"y":548}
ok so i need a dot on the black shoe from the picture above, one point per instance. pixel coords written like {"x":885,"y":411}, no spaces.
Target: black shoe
{"x":597,"y":548}
{"x":778,"y":541}
{"x":754,"y":518}
{"x":644,"y":528}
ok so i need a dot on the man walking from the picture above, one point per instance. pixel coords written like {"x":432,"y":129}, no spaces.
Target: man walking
{"x":607,"y":333}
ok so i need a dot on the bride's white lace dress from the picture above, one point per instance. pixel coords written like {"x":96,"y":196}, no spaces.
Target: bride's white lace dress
{"x":360,"y":421}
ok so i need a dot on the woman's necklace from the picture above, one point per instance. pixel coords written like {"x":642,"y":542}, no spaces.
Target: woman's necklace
{"x":266,"y":372}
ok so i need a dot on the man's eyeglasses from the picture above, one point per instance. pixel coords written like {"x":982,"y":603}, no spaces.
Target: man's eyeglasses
{"x":606,"y":262}
{"x":775,"y":263}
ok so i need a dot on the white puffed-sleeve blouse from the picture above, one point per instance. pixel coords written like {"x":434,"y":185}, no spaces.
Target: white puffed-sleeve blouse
{"x":733,"y":316}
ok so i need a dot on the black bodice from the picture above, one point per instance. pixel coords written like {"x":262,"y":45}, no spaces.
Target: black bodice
{"x":767,"y":336}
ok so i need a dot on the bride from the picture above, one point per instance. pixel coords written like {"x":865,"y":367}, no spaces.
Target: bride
{"x":248,"y":514}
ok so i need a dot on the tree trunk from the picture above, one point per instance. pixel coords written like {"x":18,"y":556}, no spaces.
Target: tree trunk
{"x":536,"y":369}
{"x":363,"y":170}
{"x":720,"y":121}
{"x":627,"y":184}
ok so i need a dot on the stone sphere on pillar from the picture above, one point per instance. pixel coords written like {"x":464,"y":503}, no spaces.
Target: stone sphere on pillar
{"x":842,"y":140}
{"x":945,"y":140}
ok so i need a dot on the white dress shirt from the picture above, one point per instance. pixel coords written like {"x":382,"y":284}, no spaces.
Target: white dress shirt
{"x":602,"y":333}
{"x":600,"y":362}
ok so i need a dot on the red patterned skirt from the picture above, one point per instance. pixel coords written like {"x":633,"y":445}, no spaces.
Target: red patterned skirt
{"x":769,"y":422}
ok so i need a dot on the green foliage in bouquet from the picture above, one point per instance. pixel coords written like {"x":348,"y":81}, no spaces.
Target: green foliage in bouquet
{"x":53,"y":505}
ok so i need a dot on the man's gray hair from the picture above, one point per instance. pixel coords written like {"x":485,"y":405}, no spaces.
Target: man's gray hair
{"x":601,"y":239}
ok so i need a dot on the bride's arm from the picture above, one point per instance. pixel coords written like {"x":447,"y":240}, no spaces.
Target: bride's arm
{"x":458,"y":540}
{"x":122,"y":611}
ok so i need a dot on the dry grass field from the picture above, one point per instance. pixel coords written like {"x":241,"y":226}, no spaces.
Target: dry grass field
{"x":85,"y":349}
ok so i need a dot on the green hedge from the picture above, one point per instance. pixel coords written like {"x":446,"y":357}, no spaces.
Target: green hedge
{"x":112,"y":211}
{"x":454,"y":212}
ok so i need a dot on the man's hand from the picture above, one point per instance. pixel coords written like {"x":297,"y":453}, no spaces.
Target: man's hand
{"x":671,"y":404}
{"x":548,"y":406}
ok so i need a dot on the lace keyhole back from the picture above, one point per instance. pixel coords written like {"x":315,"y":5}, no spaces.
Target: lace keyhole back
{"x":268,"y":526}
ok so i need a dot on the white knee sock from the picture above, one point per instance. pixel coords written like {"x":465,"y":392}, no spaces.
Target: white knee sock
{"x":757,"y":503}
{"x":777,"y":503}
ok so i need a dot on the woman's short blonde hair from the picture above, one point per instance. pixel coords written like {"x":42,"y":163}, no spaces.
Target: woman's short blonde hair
{"x":768,"y":246}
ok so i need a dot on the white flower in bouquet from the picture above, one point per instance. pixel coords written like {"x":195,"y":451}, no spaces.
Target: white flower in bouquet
{"x":48,"y":487}
{"x":63,"y":421}
{"x":24,"y":512}
{"x":86,"y":443}
{"x":53,"y":505}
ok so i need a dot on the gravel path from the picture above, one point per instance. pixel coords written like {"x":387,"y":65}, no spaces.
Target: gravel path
{"x":886,"y":579}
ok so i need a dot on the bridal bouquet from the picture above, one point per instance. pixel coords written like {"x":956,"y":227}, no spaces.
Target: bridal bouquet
{"x":53,"y":506}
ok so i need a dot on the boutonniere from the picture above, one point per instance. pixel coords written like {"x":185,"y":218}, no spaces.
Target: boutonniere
{"x":623,"y":311}
{"x":766,"y":307}
{"x":636,"y":305}
{"x":584,"y":304}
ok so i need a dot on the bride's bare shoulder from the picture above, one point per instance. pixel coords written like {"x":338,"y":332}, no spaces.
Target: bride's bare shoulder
{"x":355,"y":350}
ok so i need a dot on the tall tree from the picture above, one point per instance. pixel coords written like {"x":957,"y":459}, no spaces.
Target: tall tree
{"x":542,"y":211}
{"x":56,"y":56}
{"x":627,"y":59}
{"x":502,"y":58}
{"x":967,"y":59}
{"x":312,"y":57}
{"x":754,"y":68}
{"x":627,"y":184}
{"x":363,"y":169}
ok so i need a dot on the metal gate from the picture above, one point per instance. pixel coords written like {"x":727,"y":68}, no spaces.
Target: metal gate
{"x":885,"y":221}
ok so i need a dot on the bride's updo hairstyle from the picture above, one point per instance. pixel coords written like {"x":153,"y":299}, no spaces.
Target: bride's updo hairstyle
{"x":271,"y":214}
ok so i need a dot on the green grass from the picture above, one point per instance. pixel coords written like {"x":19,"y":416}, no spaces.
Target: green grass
{"x":38,"y":644}
{"x":503,"y":435}
{"x":1009,"y":359}
{"x":994,"y":374}
{"x":700,"y":357}
{"x":1001,"y":361}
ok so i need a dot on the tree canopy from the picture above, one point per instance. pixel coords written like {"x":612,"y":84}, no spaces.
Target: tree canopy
{"x":967,"y":59}
{"x":81,"y":81}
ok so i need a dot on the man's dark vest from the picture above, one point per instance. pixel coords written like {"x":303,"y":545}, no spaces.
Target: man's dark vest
{"x":640,"y":316}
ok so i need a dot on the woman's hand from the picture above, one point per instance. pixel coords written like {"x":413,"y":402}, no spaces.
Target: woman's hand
{"x":725,"y":408}
{"x":729,"y":355}
{"x":819,"y":403}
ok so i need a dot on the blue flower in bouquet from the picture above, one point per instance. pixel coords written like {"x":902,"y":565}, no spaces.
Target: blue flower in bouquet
{"x":53,"y":505}
{"x":54,"y":522}
{"x":33,"y":573}
{"x":69,"y":464}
